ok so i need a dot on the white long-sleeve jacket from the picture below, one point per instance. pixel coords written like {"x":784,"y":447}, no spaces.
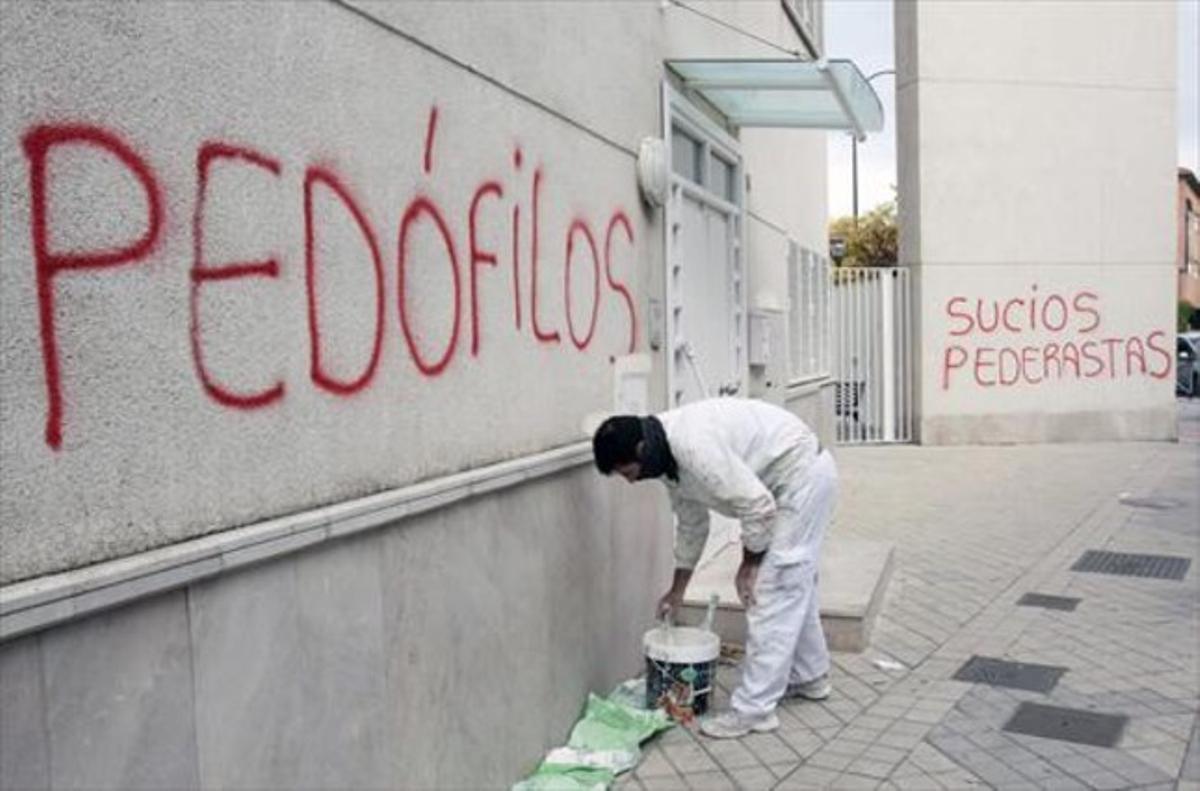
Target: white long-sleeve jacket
{"x":738,"y":457}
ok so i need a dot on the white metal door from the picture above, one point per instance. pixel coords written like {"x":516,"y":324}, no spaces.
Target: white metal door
{"x":705,"y":282}
{"x":872,"y":355}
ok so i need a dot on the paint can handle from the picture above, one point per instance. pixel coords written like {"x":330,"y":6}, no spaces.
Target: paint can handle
{"x":713,"y":599}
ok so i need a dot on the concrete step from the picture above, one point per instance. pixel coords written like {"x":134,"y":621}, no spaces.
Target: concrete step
{"x":854,"y":575}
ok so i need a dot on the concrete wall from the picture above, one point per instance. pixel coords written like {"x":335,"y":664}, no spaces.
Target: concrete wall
{"x":1035,"y":180}
{"x":423,"y":654}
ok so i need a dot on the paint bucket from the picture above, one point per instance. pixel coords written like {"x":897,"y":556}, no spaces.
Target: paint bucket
{"x":681,"y":667}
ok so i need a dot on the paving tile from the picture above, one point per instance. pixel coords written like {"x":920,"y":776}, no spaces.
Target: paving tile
{"x":922,"y":715}
{"x":906,"y":727}
{"x":1075,"y":765}
{"x":1063,"y":783}
{"x":888,"y":710}
{"x":848,"y":781}
{"x":844,"y":746}
{"x":1047,"y":748}
{"x":808,"y":777}
{"x":654,"y":764}
{"x":857,"y":734}
{"x":1165,"y":760}
{"x":730,"y":754}
{"x":825,"y":759}
{"x":677,"y":735}
{"x":869,"y":768}
{"x":756,"y":779}
{"x":768,"y":748}
{"x":916,"y":782}
{"x":899,"y":741}
{"x":955,"y":781}
{"x":709,"y":781}
{"x":873,"y":722}
{"x":671,"y":782}
{"x":784,"y":769}
{"x":803,"y":743}
{"x":690,"y":757}
{"x":1104,"y":781}
{"x":951,"y":745}
{"x":888,"y":755}
{"x":931,"y":759}
{"x":827,"y":734}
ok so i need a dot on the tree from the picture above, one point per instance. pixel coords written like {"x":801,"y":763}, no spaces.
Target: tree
{"x":873,"y":241}
{"x":1186,"y":317}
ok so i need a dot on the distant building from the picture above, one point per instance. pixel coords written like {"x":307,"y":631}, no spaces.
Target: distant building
{"x":1036,"y":208}
{"x":1187,"y":260}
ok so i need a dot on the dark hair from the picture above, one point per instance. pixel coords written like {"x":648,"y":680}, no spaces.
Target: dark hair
{"x":616,"y":442}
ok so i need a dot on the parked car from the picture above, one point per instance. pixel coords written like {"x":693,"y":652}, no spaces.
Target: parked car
{"x":1187,"y":371}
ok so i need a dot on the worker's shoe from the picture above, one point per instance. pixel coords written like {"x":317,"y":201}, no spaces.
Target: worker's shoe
{"x":817,"y":689}
{"x":732,"y":724}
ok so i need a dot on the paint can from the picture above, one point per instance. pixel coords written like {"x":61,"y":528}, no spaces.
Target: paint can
{"x":681,"y":669}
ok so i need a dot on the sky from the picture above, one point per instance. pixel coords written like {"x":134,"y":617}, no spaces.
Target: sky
{"x":862,"y":31}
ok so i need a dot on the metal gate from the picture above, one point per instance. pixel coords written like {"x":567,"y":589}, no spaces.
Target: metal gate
{"x":872,"y":355}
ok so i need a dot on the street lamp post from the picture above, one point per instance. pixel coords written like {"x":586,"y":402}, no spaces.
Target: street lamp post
{"x":854,"y":154}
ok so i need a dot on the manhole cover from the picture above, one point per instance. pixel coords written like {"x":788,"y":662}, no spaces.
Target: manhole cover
{"x":1049,"y":602}
{"x":1153,"y":503}
{"x":1069,"y":725}
{"x":1163,"y":567}
{"x":1017,"y":675}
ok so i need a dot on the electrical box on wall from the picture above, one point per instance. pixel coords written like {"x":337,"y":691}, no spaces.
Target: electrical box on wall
{"x":760,"y":339}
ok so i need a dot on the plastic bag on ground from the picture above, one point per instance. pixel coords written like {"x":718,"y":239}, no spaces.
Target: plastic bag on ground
{"x":604,"y":743}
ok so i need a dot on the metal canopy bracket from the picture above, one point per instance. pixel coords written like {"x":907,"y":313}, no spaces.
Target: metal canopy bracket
{"x":820,"y":94}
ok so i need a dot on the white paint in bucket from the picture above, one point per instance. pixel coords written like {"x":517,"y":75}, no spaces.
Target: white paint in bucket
{"x":681,"y":645}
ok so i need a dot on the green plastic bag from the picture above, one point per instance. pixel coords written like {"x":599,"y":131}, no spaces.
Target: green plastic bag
{"x":604,"y":743}
{"x":609,"y":725}
{"x":564,"y":777}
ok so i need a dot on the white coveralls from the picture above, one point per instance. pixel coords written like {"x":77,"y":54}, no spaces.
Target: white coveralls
{"x":758,"y":463}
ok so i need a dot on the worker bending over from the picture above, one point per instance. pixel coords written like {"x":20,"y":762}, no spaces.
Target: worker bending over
{"x":758,"y":463}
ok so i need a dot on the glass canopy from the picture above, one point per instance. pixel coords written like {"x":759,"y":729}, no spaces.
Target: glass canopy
{"x":786,"y":93}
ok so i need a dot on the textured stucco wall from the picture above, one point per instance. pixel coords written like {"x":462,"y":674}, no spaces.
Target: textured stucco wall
{"x":1035,"y":187}
{"x":141,"y":453}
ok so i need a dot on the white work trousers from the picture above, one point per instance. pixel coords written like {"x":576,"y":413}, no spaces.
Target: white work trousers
{"x":784,"y":640}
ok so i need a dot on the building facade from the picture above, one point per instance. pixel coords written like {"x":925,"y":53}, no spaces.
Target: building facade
{"x":305,"y":310}
{"x":1187,"y":258}
{"x":1036,"y":170}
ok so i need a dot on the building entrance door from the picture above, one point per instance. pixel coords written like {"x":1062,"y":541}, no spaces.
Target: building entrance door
{"x":705,"y":285}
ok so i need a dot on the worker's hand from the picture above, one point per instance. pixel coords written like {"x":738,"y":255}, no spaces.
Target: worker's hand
{"x":747,"y":575}
{"x":669,"y":604}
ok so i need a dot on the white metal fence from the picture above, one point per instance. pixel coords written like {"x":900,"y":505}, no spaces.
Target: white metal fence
{"x":808,"y":313}
{"x":872,"y":354}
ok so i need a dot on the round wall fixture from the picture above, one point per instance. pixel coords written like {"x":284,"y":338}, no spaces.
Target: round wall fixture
{"x":652,"y":170}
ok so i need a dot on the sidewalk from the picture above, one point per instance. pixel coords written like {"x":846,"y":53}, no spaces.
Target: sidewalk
{"x":976,"y":528}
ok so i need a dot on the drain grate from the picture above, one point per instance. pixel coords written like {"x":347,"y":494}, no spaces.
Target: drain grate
{"x":1065,"y":603}
{"x":1015,"y":675}
{"x":1068,"y":725}
{"x":1163,"y":567}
